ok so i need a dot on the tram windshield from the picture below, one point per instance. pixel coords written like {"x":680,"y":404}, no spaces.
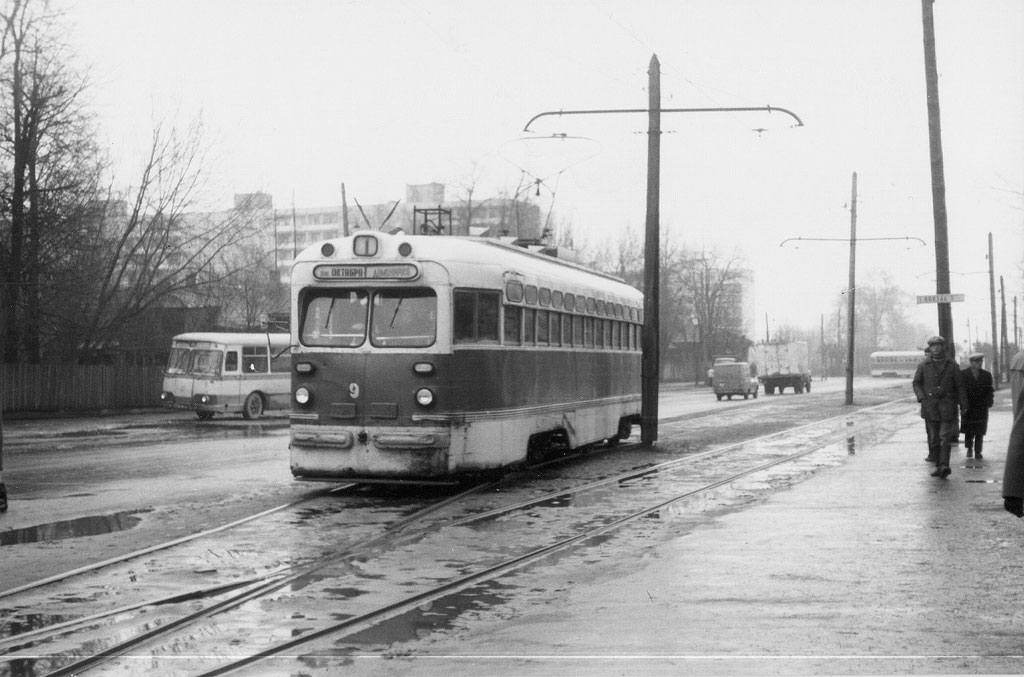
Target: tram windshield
{"x":397,"y":318}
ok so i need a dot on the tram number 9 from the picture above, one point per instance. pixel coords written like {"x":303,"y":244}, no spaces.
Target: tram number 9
{"x":353,"y":390}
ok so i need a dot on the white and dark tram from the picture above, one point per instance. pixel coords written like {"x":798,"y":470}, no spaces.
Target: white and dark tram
{"x":426,"y":358}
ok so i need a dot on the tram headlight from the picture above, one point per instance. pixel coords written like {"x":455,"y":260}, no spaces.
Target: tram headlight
{"x":424,"y":397}
{"x":327,"y":250}
{"x":303,"y":395}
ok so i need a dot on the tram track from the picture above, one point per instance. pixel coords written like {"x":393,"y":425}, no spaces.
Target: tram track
{"x":217,"y":635}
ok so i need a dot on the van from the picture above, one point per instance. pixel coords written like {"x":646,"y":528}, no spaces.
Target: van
{"x":733,"y":378}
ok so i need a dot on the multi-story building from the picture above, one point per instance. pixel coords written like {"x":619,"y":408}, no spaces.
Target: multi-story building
{"x":424,"y":211}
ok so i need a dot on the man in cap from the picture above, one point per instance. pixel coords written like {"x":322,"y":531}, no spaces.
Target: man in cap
{"x":980,"y":395}
{"x":1013,"y":473}
{"x":940,"y":390}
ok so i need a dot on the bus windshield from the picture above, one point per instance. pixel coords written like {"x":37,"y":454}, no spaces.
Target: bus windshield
{"x":194,"y":362}
{"x":404,"y":318}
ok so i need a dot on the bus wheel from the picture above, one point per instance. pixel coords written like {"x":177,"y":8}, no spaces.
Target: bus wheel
{"x":253,"y":407}
{"x":204,"y":415}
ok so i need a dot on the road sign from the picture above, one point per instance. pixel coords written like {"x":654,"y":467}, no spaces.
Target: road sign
{"x":941,"y":298}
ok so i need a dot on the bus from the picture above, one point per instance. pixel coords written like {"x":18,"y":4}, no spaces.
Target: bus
{"x":895,"y":363}
{"x":228,"y":373}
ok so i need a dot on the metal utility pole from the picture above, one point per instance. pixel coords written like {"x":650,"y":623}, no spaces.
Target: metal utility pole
{"x":852,"y":291}
{"x":992,"y":310}
{"x":931,"y":73}
{"x":652,"y":262}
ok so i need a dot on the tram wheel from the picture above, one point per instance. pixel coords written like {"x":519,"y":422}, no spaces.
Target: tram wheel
{"x":204,"y":415}
{"x":253,"y":406}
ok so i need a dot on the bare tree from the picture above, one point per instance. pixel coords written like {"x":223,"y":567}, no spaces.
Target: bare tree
{"x":156,"y":250}
{"x":51,"y":165}
{"x":715,"y":285}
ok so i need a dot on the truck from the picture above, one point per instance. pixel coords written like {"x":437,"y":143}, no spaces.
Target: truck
{"x":782,"y":365}
{"x":734,"y":378}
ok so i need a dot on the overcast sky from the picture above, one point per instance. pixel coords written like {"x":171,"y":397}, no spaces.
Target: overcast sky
{"x":299,"y":96}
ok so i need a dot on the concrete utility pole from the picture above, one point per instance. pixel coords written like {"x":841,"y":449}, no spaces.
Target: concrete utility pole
{"x":931,"y":74}
{"x":652,"y":263}
{"x":992,"y":311}
{"x":344,"y":212}
{"x":1003,"y":347}
{"x":852,"y":292}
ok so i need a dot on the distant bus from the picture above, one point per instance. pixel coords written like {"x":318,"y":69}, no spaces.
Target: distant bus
{"x":895,"y":363}
{"x":228,"y":373}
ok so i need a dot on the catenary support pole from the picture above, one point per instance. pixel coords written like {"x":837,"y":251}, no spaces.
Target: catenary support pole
{"x":650,"y":366}
{"x":992,"y":312}
{"x":852,"y":292}
{"x":931,"y":73}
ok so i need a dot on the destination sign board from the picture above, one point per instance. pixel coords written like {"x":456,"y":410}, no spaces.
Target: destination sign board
{"x":941,"y":298}
{"x":368,"y":271}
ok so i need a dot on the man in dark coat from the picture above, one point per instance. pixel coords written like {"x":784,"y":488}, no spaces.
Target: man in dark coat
{"x":940,"y":390}
{"x":980,"y":394}
{"x":1013,"y":473}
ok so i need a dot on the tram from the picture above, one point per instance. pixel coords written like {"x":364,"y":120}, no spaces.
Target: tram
{"x":895,"y":363}
{"x":428,"y":359}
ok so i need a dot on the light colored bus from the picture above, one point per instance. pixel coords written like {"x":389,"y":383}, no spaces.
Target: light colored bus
{"x":227,"y":373}
{"x":895,"y":363}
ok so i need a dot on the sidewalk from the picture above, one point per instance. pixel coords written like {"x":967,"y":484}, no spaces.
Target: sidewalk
{"x":871,"y":567}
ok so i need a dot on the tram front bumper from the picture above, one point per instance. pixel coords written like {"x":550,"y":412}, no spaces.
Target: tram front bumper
{"x":336,"y":451}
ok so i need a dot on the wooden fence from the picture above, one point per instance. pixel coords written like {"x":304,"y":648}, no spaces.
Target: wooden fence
{"x":72,"y":387}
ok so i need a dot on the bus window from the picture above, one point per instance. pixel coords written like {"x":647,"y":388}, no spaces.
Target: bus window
{"x":334,"y":318}
{"x":206,"y":362}
{"x":404,"y":318}
{"x":231,"y":361}
{"x":254,"y":359}
{"x":179,"y":361}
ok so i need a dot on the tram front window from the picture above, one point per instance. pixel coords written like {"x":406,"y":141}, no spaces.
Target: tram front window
{"x":335,"y":318}
{"x":400,"y":318}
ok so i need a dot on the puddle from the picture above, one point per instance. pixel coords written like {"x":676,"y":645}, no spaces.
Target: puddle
{"x":75,"y":528}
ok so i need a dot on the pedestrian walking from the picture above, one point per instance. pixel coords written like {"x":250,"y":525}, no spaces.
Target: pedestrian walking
{"x":940,"y":390}
{"x":1013,"y":473}
{"x":980,"y":395}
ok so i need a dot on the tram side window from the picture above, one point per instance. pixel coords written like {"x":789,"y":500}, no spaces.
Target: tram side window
{"x":476,"y":315}
{"x":255,"y":359}
{"x":513,"y":320}
{"x":529,"y":326}
{"x":231,"y":361}
{"x":542,"y":328}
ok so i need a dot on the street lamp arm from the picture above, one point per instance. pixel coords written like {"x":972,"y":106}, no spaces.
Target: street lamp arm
{"x":769,"y":109}
{"x":846,"y":239}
